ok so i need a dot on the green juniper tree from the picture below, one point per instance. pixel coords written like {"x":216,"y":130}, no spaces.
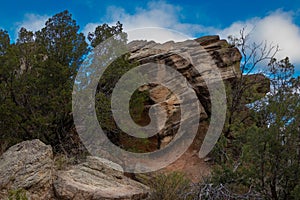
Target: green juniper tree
{"x":263,"y":152}
{"x":271,"y":160}
{"x":37,"y":75}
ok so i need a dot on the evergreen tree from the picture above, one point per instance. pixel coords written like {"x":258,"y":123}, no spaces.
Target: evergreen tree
{"x":38,"y":73}
{"x":269,"y":161}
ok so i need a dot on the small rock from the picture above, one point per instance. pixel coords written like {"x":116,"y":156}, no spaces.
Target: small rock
{"x":207,"y":159}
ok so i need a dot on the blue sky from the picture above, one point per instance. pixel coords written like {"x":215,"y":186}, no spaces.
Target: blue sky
{"x":277,"y":21}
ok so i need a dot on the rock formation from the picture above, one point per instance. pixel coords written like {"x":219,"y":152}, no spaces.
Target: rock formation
{"x":29,"y":165}
{"x":183,"y":56}
{"x":28,"y":169}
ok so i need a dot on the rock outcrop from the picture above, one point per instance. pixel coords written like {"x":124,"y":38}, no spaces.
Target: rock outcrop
{"x":27,"y":169}
{"x":183,"y":56}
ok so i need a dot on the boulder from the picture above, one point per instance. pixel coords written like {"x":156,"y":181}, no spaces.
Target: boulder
{"x":97,"y":179}
{"x":27,"y":168}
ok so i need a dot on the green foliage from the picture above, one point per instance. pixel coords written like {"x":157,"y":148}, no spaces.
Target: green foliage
{"x":113,"y":36}
{"x":260,"y":150}
{"x":36,"y":80}
{"x":4,"y":41}
{"x":136,"y":105}
{"x":173,"y":186}
{"x":62,"y":161}
{"x":247,"y":87}
{"x":61,"y":40}
{"x":268,"y":160}
{"x":104,"y":32}
{"x":271,"y":154}
{"x":18,"y":194}
{"x":296,"y":192}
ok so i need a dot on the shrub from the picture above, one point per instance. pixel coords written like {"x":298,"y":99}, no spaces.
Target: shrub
{"x":18,"y":194}
{"x":173,"y":186}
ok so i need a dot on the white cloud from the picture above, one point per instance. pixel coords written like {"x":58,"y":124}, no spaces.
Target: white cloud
{"x":32,"y":22}
{"x":89,"y":28}
{"x":156,"y":33}
{"x":277,"y":28}
{"x":156,"y":14}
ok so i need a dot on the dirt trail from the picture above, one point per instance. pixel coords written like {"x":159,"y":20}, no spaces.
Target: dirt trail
{"x":189,"y":163}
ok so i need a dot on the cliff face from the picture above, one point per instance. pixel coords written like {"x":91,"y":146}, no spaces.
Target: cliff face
{"x":184,"y":56}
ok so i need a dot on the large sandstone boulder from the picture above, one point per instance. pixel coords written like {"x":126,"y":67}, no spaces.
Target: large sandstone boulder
{"x":95,"y":179}
{"x":27,"y":167}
